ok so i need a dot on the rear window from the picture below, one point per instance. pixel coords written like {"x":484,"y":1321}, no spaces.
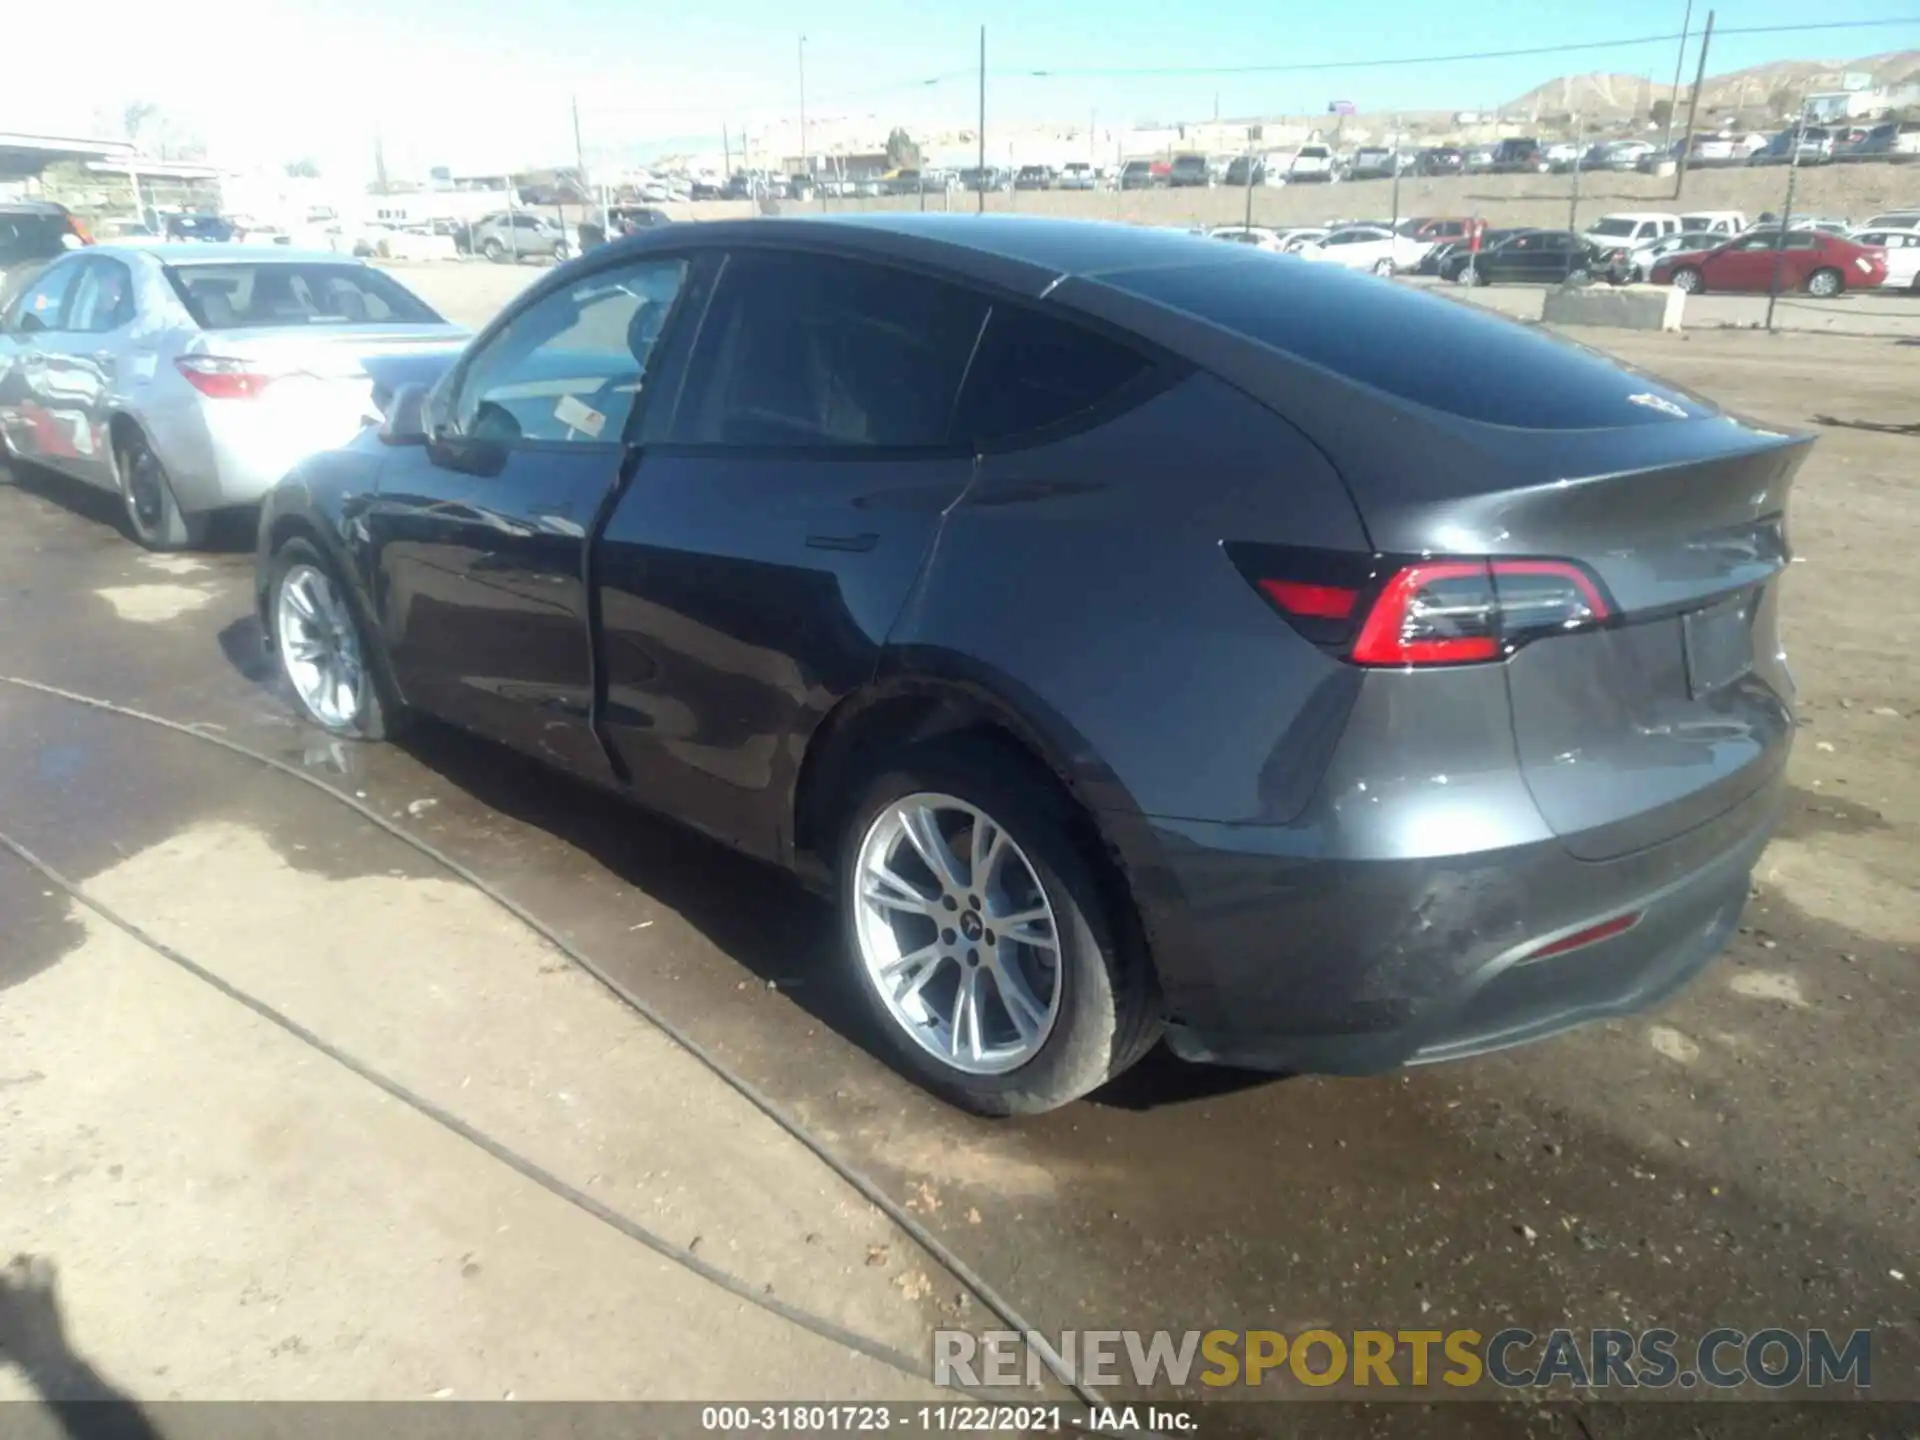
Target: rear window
{"x":243,"y":296}
{"x":1386,"y":337}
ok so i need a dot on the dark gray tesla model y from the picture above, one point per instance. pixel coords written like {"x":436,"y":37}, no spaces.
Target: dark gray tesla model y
{"x":1140,"y":634}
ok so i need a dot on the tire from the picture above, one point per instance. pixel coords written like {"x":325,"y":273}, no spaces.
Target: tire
{"x":154,"y":517}
{"x":1689,"y":280}
{"x":1580,"y":275}
{"x":1825,"y":283}
{"x":1383,"y":268}
{"x":562,"y":252}
{"x":376,"y":715}
{"x":1105,"y":1007}
{"x":494,"y":250}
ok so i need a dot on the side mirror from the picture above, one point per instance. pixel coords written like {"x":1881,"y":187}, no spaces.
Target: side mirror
{"x":406,"y":422}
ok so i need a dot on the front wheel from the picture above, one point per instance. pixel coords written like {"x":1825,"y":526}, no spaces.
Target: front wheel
{"x":1689,"y":280}
{"x":562,"y":252}
{"x":1383,"y":267}
{"x":980,"y":939}
{"x":1825,"y":284}
{"x":322,"y":646}
{"x":494,"y":251}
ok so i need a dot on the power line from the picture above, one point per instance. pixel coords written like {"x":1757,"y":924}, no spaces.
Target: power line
{"x":1463,"y":57}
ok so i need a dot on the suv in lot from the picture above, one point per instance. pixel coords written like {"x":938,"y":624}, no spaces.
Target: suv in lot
{"x":1311,"y":162}
{"x":1519,"y":155}
{"x":1189,"y":171}
{"x":1034,"y":177}
{"x":1137,"y":175}
{"x":33,"y":233}
{"x":519,"y":235}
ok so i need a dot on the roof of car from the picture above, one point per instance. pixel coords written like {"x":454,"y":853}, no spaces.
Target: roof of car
{"x":189,"y":252}
{"x":32,"y":207}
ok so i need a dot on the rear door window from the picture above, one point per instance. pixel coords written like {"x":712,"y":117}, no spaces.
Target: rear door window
{"x":1036,"y":374}
{"x":103,"y":298}
{"x":820,"y":352}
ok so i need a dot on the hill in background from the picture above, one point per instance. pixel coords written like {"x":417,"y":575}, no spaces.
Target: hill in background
{"x":1771,"y":89}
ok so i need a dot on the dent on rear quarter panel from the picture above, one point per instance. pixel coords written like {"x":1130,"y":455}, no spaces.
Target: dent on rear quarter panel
{"x":1084,"y":581}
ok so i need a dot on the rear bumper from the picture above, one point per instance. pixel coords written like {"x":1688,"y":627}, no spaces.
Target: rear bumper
{"x":221,"y":453}
{"x":1277,"y":960}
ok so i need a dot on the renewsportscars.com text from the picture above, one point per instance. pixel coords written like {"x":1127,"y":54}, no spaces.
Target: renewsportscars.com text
{"x":1511,"y":1359}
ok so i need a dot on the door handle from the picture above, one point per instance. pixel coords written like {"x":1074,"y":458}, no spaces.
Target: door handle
{"x":861,"y":542}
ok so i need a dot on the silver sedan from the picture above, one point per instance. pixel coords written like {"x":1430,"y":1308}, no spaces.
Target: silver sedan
{"x":190,"y":378}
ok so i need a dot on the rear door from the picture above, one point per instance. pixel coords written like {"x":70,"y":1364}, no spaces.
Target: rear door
{"x":480,"y":537}
{"x":85,"y":360}
{"x":38,"y":423}
{"x":775,"y":526}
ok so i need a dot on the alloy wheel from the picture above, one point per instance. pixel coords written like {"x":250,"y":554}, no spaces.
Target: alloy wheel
{"x":319,"y":647}
{"x":1686,"y":280}
{"x":956,"y":933}
{"x":1824,"y":284}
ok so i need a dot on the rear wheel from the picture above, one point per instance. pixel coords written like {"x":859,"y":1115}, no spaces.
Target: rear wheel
{"x":562,"y":252}
{"x":1688,"y":279}
{"x":153,"y":513}
{"x":980,"y":939}
{"x":1825,"y":283}
{"x":494,"y":250}
{"x":1383,"y":267}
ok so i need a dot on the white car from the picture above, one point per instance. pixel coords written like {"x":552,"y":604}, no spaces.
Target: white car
{"x":1893,"y":220}
{"x":1903,"y":255}
{"x":1078,"y":175}
{"x":1258,"y":236}
{"x":1629,"y":228}
{"x":1294,"y":240}
{"x":1722,"y":223}
{"x":1310,"y":163}
{"x":1367,"y":247}
{"x":1641,"y":259}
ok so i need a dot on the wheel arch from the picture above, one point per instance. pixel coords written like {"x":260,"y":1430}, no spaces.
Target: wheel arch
{"x":903,"y":709}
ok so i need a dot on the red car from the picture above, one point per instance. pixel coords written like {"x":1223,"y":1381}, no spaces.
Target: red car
{"x":1813,"y":261}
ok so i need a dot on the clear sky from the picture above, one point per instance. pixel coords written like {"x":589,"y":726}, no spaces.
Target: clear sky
{"x":474,"y":83}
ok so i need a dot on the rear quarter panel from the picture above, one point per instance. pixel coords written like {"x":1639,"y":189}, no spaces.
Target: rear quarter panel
{"x":1083,"y":583}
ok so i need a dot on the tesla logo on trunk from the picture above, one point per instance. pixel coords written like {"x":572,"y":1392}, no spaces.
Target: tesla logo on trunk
{"x":1655,"y":402}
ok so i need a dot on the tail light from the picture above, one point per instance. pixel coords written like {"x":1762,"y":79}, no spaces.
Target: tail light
{"x":220,"y":378}
{"x":1387,"y":611}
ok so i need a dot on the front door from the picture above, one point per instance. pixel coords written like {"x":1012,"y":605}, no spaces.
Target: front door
{"x":84,"y":363}
{"x":775,"y":526}
{"x":480,"y":537}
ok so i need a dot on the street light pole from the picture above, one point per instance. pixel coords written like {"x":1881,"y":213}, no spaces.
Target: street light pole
{"x":806,"y":160}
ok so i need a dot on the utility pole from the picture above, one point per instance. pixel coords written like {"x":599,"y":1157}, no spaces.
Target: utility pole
{"x":981,"y":192}
{"x":1679,"y":60}
{"x":806,"y":160}
{"x":1693,"y":108}
{"x":726,"y":149}
{"x":1579,"y":159}
{"x":1249,"y":163}
{"x":579,"y":150}
{"x":1394,"y":160}
{"x":1786,"y":215}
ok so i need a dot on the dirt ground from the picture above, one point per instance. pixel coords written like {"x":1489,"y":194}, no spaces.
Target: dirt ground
{"x":1748,"y":1155}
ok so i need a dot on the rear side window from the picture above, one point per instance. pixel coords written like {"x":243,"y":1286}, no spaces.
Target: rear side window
{"x":1034,"y":372}
{"x":243,"y":296}
{"x":812,"y":351}
{"x":1386,"y":338}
